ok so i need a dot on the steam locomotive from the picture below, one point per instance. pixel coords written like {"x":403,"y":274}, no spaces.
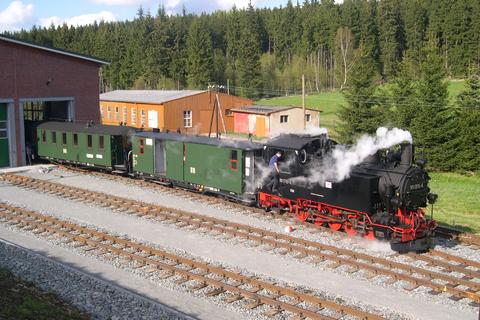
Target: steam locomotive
{"x":382,"y":198}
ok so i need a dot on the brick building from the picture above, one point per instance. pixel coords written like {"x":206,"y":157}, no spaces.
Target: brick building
{"x":39,"y":83}
{"x":187,"y":110}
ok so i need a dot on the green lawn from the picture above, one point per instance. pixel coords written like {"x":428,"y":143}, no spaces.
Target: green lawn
{"x":329,"y":103}
{"x":458,"y":200}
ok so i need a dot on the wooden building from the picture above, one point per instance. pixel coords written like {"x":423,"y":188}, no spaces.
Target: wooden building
{"x":40,"y":83}
{"x":189,"y":111}
{"x":262,"y":121}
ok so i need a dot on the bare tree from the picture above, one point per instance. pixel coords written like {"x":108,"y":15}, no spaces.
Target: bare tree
{"x":345,"y":54}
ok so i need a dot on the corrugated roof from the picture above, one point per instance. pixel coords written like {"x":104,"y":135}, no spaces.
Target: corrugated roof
{"x":267,"y":110}
{"x":147,"y":96}
{"x":55,"y":50}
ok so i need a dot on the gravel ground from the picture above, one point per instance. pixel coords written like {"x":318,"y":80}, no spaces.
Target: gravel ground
{"x":290,"y":270}
{"x":237,"y":307}
{"x":96,"y":297}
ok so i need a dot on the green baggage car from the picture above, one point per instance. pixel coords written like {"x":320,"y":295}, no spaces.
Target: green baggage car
{"x":205,"y":164}
{"x":91,"y":145}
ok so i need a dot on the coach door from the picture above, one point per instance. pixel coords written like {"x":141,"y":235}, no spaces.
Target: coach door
{"x":4,"y":152}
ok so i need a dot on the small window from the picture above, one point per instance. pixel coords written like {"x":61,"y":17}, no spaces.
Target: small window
{"x":75,"y":139}
{"x":116,"y":113}
{"x":142,"y":146}
{"x":101,"y":142}
{"x":134,"y":116}
{"x":234,"y":160}
{"x":54,"y":137}
{"x":101,"y":112}
{"x":64,"y":138}
{"x":124,"y":113}
{"x":308,"y":117}
{"x":187,"y":118}
{"x":44,"y":136}
{"x":142,"y":118}
{"x":283,"y":119}
{"x":89,"y":141}
{"x":109,"y":113}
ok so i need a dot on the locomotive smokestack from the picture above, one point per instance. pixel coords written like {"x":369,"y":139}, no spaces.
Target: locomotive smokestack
{"x":407,"y":154}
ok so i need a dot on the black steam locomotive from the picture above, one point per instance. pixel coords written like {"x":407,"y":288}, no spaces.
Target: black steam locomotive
{"x":383,"y":197}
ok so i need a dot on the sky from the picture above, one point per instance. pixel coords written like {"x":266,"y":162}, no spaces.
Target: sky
{"x":18,"y":14}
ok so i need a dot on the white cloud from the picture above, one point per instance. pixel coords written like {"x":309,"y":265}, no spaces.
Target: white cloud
{"x":120,"y":2}
{"x":16,"y":16}
{"x":81,"y":20}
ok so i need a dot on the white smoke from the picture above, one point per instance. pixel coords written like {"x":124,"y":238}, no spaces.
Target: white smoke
{"x":345,"y":159}
{"x":337,"y":166}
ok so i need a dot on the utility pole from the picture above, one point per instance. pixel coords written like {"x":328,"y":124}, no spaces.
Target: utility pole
{"x":228,"y":86}
{"x":303,"y":102}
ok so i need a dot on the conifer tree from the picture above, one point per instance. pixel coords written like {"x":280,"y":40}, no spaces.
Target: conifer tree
{"x":468,"y":125}
{"x":431,"y":127}
{"x":200,"y":55}
{"x":362,"y":113}
{"x":249,"y":68}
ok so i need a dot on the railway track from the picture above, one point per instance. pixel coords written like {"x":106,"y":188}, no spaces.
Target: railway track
{"x":457,"y":235}
{"x":198,"y":274}
{"x":465,"y":238}
{"x":458,"y":287}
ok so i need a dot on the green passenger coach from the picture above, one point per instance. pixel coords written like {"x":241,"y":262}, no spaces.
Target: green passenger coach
{"x":217,"y":166}
{"x":91,"y":145}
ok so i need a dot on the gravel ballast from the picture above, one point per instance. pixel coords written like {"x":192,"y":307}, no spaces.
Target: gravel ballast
{"x":97,"y":298}
{"x":286,"y":268}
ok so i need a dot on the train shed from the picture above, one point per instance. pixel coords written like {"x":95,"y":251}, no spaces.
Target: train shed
{"x":40,"y":83}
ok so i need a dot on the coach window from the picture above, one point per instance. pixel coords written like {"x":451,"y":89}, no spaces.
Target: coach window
{"x":75,"y":139}
{"x":54,"y":137}
{"x":142,"y":146}
{"x":234,"y":160}
{"x":89,"y":141}
{"x":44,"y":136}
{"x":101,"y":142}
{"x":64,"y":138}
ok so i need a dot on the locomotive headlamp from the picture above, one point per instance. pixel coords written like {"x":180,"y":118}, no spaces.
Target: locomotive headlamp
{"x":432,"y":198}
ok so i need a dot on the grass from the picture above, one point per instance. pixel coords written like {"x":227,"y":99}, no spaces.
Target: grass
{"x":458,"y":200}
{"x":20,"y":300}
{"x":459,"y":195}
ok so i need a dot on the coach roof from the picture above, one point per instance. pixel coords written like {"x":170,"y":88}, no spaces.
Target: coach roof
{"x":86,"y":128}
{"x":238,"y":144}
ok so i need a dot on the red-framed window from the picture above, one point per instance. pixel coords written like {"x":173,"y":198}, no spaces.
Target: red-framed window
{"x":233,"y":163}
{"x":142,"y":146}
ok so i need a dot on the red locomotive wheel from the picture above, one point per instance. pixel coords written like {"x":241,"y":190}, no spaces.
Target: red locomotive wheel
{"x":335,"y":225}
{"x":349,"y":229}
{"x":369,"y":235}
{"x":302,"y":215}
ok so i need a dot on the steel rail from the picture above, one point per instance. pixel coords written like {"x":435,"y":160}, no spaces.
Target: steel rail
{"x":303,"y":247}
{"x":188,"y":269}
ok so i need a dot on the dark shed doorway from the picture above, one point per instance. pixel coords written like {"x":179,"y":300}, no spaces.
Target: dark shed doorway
{"x":34,"y":113}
